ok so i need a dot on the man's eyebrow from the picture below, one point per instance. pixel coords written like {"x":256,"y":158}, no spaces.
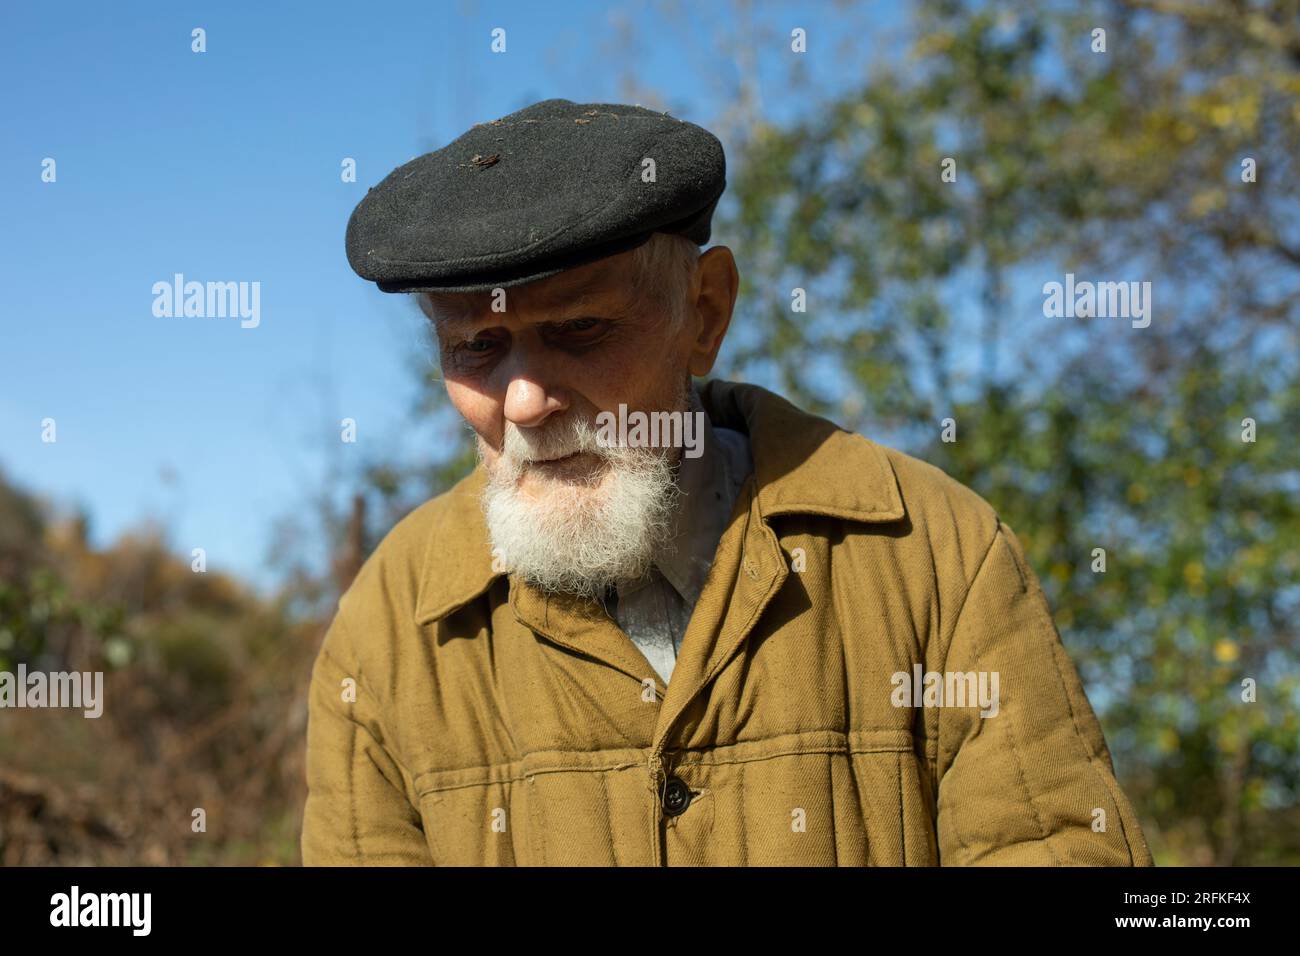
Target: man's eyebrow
{"x":467,"y":328}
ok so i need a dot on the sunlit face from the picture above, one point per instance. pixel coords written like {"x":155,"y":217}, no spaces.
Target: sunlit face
{"x":568,"y":346}
{"x":531,"y":380}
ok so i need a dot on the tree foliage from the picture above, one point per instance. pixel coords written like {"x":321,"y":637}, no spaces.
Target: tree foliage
{"x":925,"y":304}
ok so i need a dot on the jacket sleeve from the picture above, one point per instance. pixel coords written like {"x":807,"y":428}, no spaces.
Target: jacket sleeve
{"x":1033,"y":783}
{"x":357,"y":812}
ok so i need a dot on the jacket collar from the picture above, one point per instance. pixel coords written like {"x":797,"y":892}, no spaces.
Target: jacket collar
{"x":458,"y":562}
{"x":803,"y":464}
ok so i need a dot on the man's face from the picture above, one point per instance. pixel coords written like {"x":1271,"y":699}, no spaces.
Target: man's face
{"x":566,"y":348}
{"x":531,"y":380}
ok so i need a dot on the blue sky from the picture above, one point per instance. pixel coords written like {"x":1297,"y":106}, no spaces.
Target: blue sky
{"x":224,"y":166}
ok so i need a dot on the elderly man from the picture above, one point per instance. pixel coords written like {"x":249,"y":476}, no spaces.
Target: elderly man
{"x":784,"y":645}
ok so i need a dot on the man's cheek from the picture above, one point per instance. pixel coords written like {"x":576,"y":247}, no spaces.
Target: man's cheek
{"x":484,"y":416}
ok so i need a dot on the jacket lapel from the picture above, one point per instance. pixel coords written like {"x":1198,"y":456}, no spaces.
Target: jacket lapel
{"x":802,"y":464}
{"x":580,"y":625}
{"x":748,"y":570}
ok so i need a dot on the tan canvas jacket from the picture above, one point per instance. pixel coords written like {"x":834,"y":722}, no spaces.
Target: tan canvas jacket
{"x":460,"y":717}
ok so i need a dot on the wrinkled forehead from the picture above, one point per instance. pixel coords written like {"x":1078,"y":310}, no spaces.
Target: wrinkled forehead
{"x":607,"y":282}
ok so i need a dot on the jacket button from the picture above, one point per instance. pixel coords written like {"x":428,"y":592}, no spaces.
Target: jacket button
{"x":677,"y":797}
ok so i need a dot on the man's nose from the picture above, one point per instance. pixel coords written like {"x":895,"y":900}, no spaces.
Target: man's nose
{"x":529,"y":401}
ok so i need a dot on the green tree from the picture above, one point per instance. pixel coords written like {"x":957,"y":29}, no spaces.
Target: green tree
{"x":1120,"y":165}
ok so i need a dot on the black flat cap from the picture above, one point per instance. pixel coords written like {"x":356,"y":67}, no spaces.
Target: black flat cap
{"x":550,"y":187}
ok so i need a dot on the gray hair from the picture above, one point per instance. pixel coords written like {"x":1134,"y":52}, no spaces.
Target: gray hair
{"x":662,"y":270}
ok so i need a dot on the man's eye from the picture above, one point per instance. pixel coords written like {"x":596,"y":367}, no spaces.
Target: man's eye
{"x":580,"y":331}
{"x":467,"y":350}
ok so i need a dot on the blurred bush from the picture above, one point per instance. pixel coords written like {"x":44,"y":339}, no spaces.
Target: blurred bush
{"x":203,"y":705}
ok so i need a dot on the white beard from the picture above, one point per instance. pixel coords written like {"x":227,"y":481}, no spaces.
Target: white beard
{"x":577,"y":536}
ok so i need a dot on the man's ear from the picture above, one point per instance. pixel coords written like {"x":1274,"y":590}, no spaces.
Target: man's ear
{"x":715,"y":287}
